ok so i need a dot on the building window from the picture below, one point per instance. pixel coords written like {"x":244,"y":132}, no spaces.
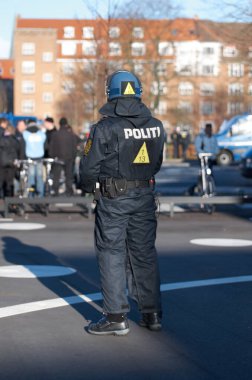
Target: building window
{"x":138,"y":32}
{"x":185,"y":107}
{"x":88,"y":87}
{"x":47,"y":56}
{"x":69,"y":32}
{"x":250,"y":71}
{"x":185,"y":88}
{"x":89,"y":108}
{"x":28,"y":86}
{"x":234,"y":108}
{"x":68,"y":48}
{"x":47,"y":97}
{"x":161,"y":109}
{"x":165,"y":48}
{"x":235,"y":89}
{"x":115,"y":48}
{"x":206,"y":108}
{"x":158,"y":88}
{"x":114,"y":66}
{"x":138,"y":48}
{"x":89,"y":67}
{"x":1,"y":71}
{"x":207,"y":89}
{"x":28,"y":48}
{"x":230,"y":51}
{"x":68,"y":68}
{"x":114,"y":32}
{"x":28,"y":106}
{"x":208,"y":50}
{"x":68,"y":86}
{"x":250,"y":52}
{"x":250,"y":89}
{"x":249,"y":109}
{"x":89,"y":48}
{"x":47,"y":78}
{"x":88,"y":32}
{"x":186,"y":70}
{"x":235,"y":69}
{"x":139,"y":68}
{"x":161,"y":69}
{"x":28,"y":67}
{"x":208,"y":70}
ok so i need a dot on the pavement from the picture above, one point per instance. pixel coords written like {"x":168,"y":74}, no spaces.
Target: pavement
{"x":49,"y":293}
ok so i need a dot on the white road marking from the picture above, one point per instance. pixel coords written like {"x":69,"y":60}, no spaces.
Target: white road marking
{"x":30,"y":307}
{"x":166,"y":207}
{"x":222,"y":242}
{"x":6,"y":219}
{"x":34,"y":271}
{"x":21,"y":226}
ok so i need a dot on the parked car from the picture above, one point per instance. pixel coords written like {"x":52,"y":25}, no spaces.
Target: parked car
{"x":246,"y":164}
{"x":234,"y":138}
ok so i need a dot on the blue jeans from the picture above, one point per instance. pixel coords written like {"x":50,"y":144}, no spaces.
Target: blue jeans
{"x":35,"y":177}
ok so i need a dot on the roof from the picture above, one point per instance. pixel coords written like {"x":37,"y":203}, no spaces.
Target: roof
{"x":6,"y":69}
{"x":176,"y":30}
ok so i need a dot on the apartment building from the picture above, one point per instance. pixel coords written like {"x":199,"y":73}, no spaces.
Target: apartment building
{"x":193,"y":71}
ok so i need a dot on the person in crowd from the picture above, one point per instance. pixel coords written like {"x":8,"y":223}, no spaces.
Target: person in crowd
{"x":185,"y":142}
{"x":175,"y":138}
{"x":123,"y":153}
{"x":3,"y":125}
{"x":63,"y":146}
{"x":21,"y":127}
{"x":206,"y":142}
{"x":9,"y":152}
{"x":50,"y":129}
{"x":34,"y":139}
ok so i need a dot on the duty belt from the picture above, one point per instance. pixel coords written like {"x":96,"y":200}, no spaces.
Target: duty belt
{"x":113,"y":187}
{"x":137,"y":183}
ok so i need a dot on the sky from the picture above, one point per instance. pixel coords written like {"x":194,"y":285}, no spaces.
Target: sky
{"x":80,"y":9}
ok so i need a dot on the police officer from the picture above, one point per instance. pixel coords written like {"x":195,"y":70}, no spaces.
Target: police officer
{"x":123,"y":153}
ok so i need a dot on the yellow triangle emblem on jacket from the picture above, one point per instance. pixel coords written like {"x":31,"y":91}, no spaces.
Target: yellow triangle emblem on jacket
{"x":142,"y":156}
{"x":129,"y":90}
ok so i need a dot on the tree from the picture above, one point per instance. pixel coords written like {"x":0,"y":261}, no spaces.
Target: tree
{"x":88,"y":79}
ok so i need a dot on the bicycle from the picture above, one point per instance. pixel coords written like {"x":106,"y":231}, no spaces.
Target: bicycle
{"x":206,"y":187}
{"x":23,"y":190}
{"x":48,"y":162}
{"x":23,"y":166}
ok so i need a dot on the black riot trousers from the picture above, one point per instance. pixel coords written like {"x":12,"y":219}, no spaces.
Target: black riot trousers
{"x":125,"y":233}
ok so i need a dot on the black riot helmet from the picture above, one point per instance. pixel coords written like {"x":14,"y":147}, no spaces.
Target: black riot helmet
{"x":123,"y":83}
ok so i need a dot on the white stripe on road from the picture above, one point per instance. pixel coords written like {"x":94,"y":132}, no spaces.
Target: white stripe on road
{"x":34,"y":271}
{"x":21,"y":226}
{"x":30,"y":307}
{"x":222,"y":242}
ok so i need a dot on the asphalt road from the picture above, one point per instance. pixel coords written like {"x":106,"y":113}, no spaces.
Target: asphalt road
{"x":179,"y":179}
{"x":207,"y":330}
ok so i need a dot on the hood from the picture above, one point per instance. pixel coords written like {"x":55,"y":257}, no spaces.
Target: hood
{"x":32,"y":129}
{"x":132,"y":109}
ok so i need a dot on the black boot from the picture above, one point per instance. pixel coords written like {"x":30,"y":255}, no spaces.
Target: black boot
{"x":152,"y":321}
{"x":111,"y":324}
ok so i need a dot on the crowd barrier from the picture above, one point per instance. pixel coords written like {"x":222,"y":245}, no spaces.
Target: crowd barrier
{"x":86,"y":203}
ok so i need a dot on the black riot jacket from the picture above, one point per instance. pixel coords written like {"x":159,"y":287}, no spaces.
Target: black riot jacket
{"x":126,"y":143}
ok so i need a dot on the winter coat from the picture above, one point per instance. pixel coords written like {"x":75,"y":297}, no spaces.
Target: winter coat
{"x":9,"y":150}
{"x":63,"y":144}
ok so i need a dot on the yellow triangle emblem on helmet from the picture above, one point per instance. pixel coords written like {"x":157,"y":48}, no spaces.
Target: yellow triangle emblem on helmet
{"x":142,"y":156}
{"x":129,"y":90}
